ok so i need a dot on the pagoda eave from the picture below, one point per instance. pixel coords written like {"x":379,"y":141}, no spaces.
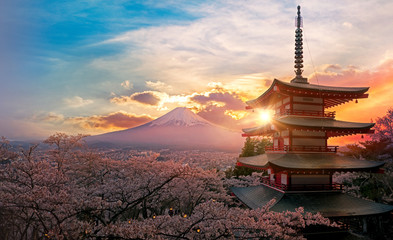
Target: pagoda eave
{"x":329,"y":204}
{"x":306,"y":162}
{"x":332,"y":127}
{"x":259,"y":168}
{"x":321,"y":170}
{"x":332,"y":96}
{"x":329,"y":124}
{"x":266,"y":129}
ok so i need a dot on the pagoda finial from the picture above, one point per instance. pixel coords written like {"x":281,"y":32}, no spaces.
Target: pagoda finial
{"x":299,"y":50}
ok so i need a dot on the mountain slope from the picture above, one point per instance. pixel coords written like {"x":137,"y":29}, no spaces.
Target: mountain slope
{"x":180,"y":128}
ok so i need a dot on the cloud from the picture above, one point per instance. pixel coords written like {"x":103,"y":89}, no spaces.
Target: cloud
{"x":379,"y":81}
{"x":219,"y":94}
{"x":77,"y":101}
{"x":48,"y":117}
{"x":127,"y":85}
{"x":228,"y":40}
{"x":224,"y":43}
{"x":235,"y":114}
{"x":112,"y":121}
{"x":147,"y":98}
{"x":220,"y":106}
{"x":159,"y":86}
{"x":347,"y":25}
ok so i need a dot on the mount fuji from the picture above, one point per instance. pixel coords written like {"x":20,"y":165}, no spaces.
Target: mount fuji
{"x":180,"y":129}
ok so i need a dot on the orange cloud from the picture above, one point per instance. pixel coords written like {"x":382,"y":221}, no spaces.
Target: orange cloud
{"x":220,"y":106}
{"x":147,"y":98}
{"x":112,"y":121}
{"x":376,"y":105}
{"x":237,"y":115}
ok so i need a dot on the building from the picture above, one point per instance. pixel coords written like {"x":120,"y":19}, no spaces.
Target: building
{"x":300,"y":164}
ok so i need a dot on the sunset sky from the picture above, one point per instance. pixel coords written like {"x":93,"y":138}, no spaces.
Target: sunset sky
{"x":93,"y":66}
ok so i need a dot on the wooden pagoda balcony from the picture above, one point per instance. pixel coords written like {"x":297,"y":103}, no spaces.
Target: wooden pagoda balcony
{"x":301,"y":148}
{"x":307,"y":113}
{"x":301,"y":187}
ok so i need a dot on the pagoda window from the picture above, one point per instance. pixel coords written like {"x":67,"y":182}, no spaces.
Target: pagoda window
{"x":286,"y":141}
{"x":308,"y":142}
{"x":307,"y":100}
{"x":272,"y":178}
{"x":307,"y":107}
{"x":285,"y":133}
{"x":284,"y":178}
{"x":308,"y":133}
{"x":278,"y":104}
{"x":286,"y":100}
{"x":310,"y":179}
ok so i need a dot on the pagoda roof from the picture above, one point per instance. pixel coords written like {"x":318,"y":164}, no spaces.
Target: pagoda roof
{"x":264,"y":129}
{"x":326,"y":123}
{"x":329,"y":204}
{"x":333,"y":95}
{"x":332,"y":89}
{"x":309,"y":161}
{"x":330,"y":125}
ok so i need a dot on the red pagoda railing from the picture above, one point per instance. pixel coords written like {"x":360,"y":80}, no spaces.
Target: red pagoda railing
{"x":301,"y":148}
{"x":308,"y":113}
{"x":312,"y":187}
{"x":301,"y":187}
{"x":270,"y":183}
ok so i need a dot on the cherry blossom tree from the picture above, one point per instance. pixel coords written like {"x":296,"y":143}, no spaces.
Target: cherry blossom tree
{"x":384,"y":126}
{"x":72,"y":192}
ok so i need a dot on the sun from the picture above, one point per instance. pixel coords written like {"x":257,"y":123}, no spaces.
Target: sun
{"x":265,"y":116}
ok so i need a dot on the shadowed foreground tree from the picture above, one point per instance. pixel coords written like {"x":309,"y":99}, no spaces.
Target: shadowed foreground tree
{"x":71,"y":192}
{"x":377,"y":187}
{"x":255,"y":146}
{"x":384,"y":126}
{"x":252,"y":147}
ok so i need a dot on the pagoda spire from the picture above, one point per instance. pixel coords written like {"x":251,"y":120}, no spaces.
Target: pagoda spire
{"x":299,"y":50}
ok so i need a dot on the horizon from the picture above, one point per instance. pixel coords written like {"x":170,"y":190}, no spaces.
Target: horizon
{"x":94,"y":67}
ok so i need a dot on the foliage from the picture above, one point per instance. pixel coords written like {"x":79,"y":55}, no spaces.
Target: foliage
{"x":6,"y":153}
{"x":370,"y":149}
{"x":384,"y":126}
{"x":255,"y":146}
{"x":238,"y":171}
{"x":71,"y":192}
{"x":377,"y":187}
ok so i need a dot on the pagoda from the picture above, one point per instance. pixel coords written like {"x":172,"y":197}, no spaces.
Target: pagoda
{"x":300,"y":164}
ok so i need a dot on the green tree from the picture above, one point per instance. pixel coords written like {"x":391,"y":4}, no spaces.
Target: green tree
{"x":249,"y":148}
{"x":261,"y":145}
{"x":255,"y":146}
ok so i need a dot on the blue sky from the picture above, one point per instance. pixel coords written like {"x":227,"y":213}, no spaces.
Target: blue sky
{"x":87,"y":66}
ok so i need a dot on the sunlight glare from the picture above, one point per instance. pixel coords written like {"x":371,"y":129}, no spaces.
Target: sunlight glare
{"x":265,"y":116}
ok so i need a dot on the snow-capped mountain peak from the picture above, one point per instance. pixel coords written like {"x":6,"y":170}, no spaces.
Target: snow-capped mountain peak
{"x":180,"y":116}
{"x":180,"y":128}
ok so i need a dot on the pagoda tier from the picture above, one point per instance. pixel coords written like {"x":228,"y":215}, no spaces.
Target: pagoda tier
{"x":328,"y":96}
{"x":329,"y":204}
{"x":301,"y":126}
{"x":310,"y":163}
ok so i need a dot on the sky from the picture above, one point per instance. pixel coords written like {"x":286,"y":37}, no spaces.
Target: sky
{"x":94,"y":66}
